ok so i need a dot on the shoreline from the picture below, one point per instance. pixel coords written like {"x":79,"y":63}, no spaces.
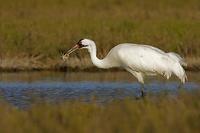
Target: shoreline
{"x":73,"y":64}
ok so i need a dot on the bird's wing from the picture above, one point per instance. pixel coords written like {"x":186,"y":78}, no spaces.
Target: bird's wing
{"x":143,"y":58}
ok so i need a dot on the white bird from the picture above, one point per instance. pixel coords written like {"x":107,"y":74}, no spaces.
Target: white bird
{"x":138,"y":59}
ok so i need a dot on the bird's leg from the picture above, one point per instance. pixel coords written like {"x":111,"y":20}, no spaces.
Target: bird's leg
{"x":139,"y":77}
{"x":142,"y":90}
{"x":180,"y":86}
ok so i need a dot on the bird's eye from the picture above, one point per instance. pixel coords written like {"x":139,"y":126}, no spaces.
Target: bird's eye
{"x":84,"y":45}
{"x":81,"y":44}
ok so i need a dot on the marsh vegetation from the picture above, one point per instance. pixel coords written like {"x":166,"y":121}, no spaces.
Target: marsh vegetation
{"x":34,"y":32}
{"x":153,"y":114}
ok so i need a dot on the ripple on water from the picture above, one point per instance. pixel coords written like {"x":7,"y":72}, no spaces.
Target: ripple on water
{"x":22,"y":94}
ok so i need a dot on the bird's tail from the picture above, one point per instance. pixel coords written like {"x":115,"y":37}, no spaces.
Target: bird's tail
{"x":179,"y":72}
{"x":178,"y":58}
{"x":177,"y":68}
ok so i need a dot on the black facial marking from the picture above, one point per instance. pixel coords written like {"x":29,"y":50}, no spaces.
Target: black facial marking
{"x":80,"y":44}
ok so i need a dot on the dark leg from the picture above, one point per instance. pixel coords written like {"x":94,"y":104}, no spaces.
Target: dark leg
{"x":180,"y":86}
{"x":139,"y":77}
{"x":141,"y":93}
{"x":142,"y":90}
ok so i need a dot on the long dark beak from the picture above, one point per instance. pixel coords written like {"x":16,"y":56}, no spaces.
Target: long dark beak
{"x":66,"y":55}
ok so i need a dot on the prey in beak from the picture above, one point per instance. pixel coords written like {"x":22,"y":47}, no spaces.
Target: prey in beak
{"x":73,"y":49}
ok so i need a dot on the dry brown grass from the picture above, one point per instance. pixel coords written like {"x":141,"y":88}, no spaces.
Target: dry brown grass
{"x":72,"y":64}
{"x":193,"y":63}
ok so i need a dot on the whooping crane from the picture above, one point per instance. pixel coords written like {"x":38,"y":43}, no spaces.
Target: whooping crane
{"x":139,"y":60}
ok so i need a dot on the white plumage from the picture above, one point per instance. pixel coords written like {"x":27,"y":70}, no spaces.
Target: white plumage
{"x":139,"y":60}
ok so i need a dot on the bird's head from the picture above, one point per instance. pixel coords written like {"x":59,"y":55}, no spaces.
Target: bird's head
{"x":81,"y":44}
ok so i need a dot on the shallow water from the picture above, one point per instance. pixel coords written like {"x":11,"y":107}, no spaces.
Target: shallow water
{"x":22,"y":89}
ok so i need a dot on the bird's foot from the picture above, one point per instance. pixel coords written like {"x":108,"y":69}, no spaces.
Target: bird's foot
{"x":141,"y":95}
{"x":180,"y":86}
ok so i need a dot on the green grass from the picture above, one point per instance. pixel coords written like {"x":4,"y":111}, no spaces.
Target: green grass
{"x":31,"y":28}
{"x":155,"y":114}
{"x":43,"y":26}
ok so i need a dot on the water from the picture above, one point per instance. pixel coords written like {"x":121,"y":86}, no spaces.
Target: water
{"x":23,"y":89}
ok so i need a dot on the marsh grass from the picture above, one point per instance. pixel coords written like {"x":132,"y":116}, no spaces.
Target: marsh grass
{"x":156,"y":114}
{"x":44,"y":27}
{"x":40,"y":63}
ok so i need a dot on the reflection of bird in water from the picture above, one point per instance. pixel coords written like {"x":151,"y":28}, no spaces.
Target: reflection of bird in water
{"x":139,"y":60}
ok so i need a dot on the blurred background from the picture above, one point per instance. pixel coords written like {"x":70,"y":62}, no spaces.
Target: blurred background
{"x":34,"y":32}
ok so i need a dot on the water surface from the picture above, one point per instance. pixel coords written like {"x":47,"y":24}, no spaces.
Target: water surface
{"x":22,"y":89}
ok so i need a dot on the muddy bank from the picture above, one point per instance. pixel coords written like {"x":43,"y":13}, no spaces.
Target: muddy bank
{"x":72,"y":64}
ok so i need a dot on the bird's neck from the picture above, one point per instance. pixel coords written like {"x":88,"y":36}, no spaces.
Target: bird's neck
{"x":100,"y":63}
